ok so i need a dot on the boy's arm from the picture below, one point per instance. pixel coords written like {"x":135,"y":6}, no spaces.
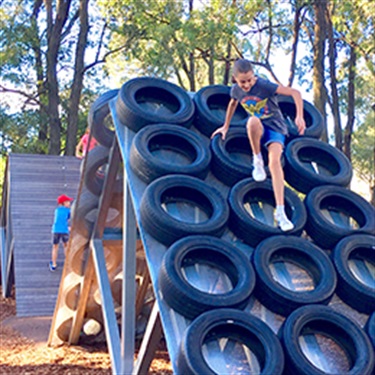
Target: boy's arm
{"x":299,"y":120}
{"x":78,"y":149}
{"x":223,"y":130}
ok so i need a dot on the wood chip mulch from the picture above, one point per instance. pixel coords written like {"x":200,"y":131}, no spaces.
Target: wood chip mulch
{"x":21,"y":355}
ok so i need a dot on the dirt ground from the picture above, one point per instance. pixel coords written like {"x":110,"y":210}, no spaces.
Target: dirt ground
{"x":21,"y":354}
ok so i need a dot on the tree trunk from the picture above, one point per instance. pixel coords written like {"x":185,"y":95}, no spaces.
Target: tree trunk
{"x":372,"y":187}
{"x":191,"y":59}
{"x":227,"y":64}
{"x":36,"y":47}
{"x":296,"y":29}
{"x":351,"y":104}
{"x":75,"y":94}
{"x":320,"y":33}
{"x":54,"y":30}
{"x":211,"y":67}
{"x":332,"y":53}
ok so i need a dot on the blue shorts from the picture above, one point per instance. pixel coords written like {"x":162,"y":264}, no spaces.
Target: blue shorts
{"x":57,"y":236}
{"x":269,"y":136}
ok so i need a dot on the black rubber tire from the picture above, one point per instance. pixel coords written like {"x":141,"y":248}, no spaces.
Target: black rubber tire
{"x":370,"y":328}
{"x":341,"y":203}
{"x":190,"y":301}
{"x":333,"y":167}
{"x":252,"y":230}
{"x":86,"y":213}
{"x":181,"y":141}
{"x":232,"y":158}
{"x":143,"y":101}
{"x":313,"y":118}
{"x":324,"y":320}
{"x":99,"y":110}
{"x":349,"y":288}
{"x":167,"y":229}
{"x":87,"y":203}
{"x":302,"y":253}
{"x":94,"y":182}
{"x":236,"y":325}
{"x":211,"y":104}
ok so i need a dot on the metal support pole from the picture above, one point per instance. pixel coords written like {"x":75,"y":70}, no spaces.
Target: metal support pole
{"x":150,"y":342}
{"x":128,"y":285}
{"x":108,"y":309}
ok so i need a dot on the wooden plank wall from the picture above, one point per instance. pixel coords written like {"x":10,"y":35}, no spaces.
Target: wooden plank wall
{"x":35,"y":183}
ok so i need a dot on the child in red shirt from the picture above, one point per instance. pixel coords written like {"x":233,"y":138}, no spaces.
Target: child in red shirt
{"x":83,"y":146}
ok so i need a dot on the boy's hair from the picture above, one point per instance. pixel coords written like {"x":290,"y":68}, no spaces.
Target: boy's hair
{"x":242,"y":66}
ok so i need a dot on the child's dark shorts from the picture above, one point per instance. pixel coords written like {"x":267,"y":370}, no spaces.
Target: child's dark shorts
{"x":270,"y":136}
{"x":56,"y":237}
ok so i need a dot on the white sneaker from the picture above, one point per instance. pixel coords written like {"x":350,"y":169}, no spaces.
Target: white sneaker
{"x":283,"y":222}
{"x":259,"y":174}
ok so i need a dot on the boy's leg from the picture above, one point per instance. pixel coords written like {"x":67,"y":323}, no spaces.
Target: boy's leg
{"x":275,"y":150}
{"x":65,"y":240}
{"x":254,"y":130}
{"x":55,"y":250}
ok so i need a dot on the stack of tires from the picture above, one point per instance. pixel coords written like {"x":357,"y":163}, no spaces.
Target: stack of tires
{"x":223,"y":250}
{"x":202,"y":205}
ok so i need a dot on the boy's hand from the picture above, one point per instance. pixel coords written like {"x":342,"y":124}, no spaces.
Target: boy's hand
{"x":222,"y":130}
{"x":301,"y":125}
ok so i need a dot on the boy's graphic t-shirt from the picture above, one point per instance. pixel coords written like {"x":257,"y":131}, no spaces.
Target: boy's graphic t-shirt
{"x":261,"y":102}
{"x":61,"y":220}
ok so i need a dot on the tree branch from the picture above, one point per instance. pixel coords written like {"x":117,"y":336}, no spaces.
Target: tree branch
{"x":104,"y":59}
{"x":32,"y":100}
{"x":261,"y":29}
{"x":265,"y":65}
{"x":269,"y":43}
{"x":298,"y":20}
{"x":100,"y":41}
{"x":68,"y":28}
{"x":355,"y":45}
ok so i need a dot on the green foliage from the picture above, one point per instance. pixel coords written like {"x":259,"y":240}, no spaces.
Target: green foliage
{"x":23,"y":54}
{"x":15,"y":39}
{"x":363,"y":149}
{"x":165,"y":34}
{"x":170,"y":40}
{"x":19,"y":132}
{"x":355,"y":21}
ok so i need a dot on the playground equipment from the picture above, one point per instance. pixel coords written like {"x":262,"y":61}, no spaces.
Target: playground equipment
{"x":31,"y":185}
{"x":189,"y":221}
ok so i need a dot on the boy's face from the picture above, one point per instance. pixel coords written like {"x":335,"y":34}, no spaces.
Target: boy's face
{"x":245,"y":80}
{"x":67,"y":203}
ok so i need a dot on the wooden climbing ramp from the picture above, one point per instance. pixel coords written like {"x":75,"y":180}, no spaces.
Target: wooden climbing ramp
{"x":33,"y":184}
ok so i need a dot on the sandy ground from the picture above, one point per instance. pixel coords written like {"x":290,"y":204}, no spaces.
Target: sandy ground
{"x":23,"y":349}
